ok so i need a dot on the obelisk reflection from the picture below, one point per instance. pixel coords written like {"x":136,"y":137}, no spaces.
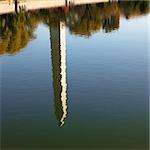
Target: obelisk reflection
{"x":58,"y":54}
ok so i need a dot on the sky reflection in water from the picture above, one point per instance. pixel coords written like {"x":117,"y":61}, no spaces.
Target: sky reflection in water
{"x":87,"y":67}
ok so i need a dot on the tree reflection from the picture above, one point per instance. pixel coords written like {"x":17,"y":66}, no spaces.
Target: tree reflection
{"x":16,"y":30}
{"x":133,"y":8}
{"x":84,"y":20}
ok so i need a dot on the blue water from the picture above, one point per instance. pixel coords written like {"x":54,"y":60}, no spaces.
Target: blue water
{"x":107,"y":91}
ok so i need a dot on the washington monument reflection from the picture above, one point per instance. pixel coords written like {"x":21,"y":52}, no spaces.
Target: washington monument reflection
{"x":58,"y":54}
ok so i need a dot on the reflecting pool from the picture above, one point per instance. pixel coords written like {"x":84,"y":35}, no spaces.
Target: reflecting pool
{"x":75,"y":77}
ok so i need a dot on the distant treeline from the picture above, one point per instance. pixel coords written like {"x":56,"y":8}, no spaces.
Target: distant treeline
{"x":17,"y":29}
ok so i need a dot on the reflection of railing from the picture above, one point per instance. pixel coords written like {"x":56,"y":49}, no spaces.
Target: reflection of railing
{"x":9,"y":6}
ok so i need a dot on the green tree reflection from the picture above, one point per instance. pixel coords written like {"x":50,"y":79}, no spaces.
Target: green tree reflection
{"x":16,"y":30}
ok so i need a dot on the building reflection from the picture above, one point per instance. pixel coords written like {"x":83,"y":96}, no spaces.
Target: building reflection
{"x":58,"y":56}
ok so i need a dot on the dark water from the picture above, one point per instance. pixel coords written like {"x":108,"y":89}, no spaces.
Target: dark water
{"x":75,"y":80}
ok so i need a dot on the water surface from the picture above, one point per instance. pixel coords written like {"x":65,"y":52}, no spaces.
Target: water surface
{"x":75,"y":78}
